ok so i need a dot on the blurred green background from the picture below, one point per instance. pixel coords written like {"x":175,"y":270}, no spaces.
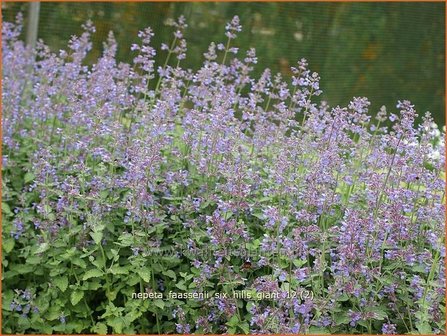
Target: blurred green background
{"x":384,"y":51}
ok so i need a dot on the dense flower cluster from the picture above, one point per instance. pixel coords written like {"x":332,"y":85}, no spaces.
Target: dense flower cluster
{"x":122,"y":178}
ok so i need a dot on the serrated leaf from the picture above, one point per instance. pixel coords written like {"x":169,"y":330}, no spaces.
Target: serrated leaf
{"x":8,"y":245}
{"x":133,"y":280}
{"x":132,"y":316}
{"x":116,"y":270}
{"x":343,"y":297}
{"x":114,"y":252}
{"x":97,"y":237}
{"x":42,"y":248}
{"x":61,"y":283}
{"x":116,"y":323}
{"x":159,"y":303}
{"x":379,"y":313}
{"x":79,"y":262}
{"x":28,"y":177}
{"x":69,"y":253}
{"x":171,"y":274}
{"x":145,"y":274}
{"x":205,"y":204}
{"x":341,"y":319}
{"x":418,"y":268}
{"x":93,"y":273}
{"x":245,"y":327}
{"x":6,"y":209}
{"x":424,"y":328}
{"x":363,"y":323}
{"x":76,"y":296}
{"x":34,"y":260}
{"x":53,"y":313}
{"x":47,"y":208}
{"x":126,"y":240}
{"x":233,"y":322}
{"x":25,"y":269}
{"x":181,"y":285}
{"x":100,"y":329}
{"x":232,"y":331}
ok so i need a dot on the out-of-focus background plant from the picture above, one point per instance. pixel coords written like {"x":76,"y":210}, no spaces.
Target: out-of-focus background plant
{"x":385,"y":51}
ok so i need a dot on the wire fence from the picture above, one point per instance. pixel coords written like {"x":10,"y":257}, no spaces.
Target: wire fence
{"x":384,"y":51}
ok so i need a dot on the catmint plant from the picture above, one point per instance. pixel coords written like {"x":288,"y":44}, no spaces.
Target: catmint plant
{"x":149,"y":198}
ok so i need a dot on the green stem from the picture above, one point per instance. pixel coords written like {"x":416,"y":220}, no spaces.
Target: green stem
{"x":105,"y":270}
{"x":430,"y":276}
{"x":307,"y":106}
{"x":164,"y":67}
{"x":83,"y":297}
{"x":227,"y":47}
{"x":156,"y":313}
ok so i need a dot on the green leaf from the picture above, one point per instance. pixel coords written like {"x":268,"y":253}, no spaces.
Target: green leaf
{"x":118,"y":270}
{"x":77,"y":326}
{"x":29,"y":177}
{"x":424,"y":328}
{"x":42,"y":248}
{"x":363,"y":323}
{"x":76,"y":296}
{"x":379,"y":313}
{"x":418,"y":268}
{"x":126,"y":240}
{"x":61,"y":283}
{"x":181,"y":285}
{"x":245,"y":327}
{"x":145,"y":274}
{"x":171,"y":261}
{"x":232,"y":331}
{"x":132,"y":316}
{"x":34,"y":260}
{"x":47,"y":208}
{"x":69,"y":254}
{"x":79,"y":262}
{"x":233,"y":322}
{"x":250,"y":305}
{"x":97,"y":237}
{"x":24,"y":324}
{"x":343,"y":297}
{"x":341,"y":318}
{"x":117,"y":324}
{"x":23,"y":269}
{"x":53,"y":313}
{"x":8,"y":244}
{"x":170,"y":274}
{"x":318,"y":331}
{"x":159,"y":303}
{"x":8,"y":296}
{"x":133,"y":280}
{"x":100,"y":328}
{"x":93,"y":273}
{"x":111,"y":295}
{"x":93,"y":284}
{"x":6,"y":209}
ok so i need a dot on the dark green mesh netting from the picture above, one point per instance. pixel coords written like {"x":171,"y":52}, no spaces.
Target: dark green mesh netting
{"x":384,"y":51}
